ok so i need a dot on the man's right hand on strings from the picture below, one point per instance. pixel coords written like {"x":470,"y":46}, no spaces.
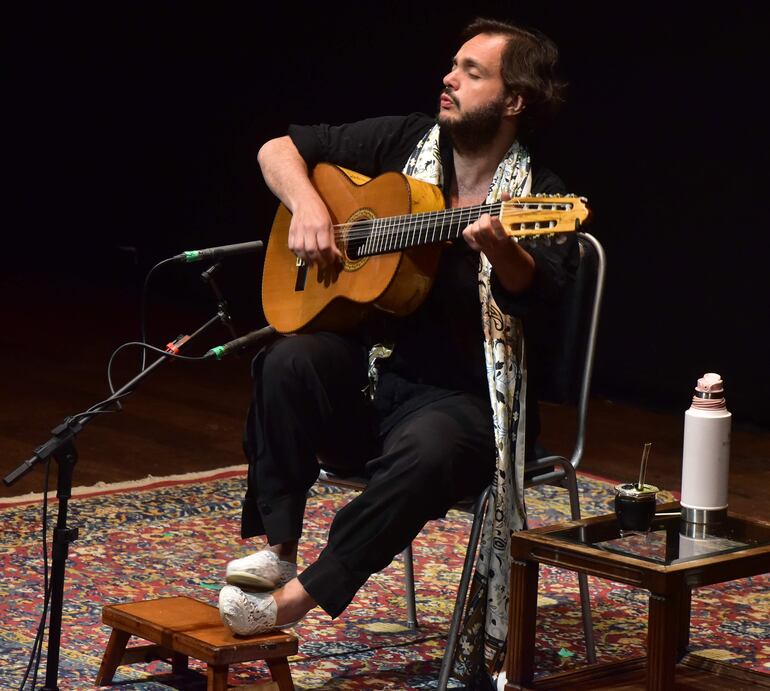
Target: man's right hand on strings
{"x":311,"y":233}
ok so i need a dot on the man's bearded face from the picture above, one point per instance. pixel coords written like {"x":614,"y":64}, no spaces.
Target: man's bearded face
{"x":472,"y":130}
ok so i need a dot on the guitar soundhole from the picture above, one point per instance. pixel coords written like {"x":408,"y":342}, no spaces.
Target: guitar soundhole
{"x":354,"y":246}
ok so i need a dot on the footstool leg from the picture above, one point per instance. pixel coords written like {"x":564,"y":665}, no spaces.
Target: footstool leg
{"x":217,"y":677}
{"x":179,"y":663}
{"x":112,"y":656}
{"x":279,"y":670}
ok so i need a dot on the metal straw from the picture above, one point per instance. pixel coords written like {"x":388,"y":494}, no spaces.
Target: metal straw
{"x":643,"y":469}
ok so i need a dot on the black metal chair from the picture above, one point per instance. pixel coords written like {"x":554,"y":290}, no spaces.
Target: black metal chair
{"x":567,"y":381}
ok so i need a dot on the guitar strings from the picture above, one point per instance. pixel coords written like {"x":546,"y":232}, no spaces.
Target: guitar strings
{"x":388,"y":226}
{"x":394,"y":225}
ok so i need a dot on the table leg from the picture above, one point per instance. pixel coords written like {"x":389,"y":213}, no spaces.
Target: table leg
{"x":663,"y":638}
{"x":521,"y":626}
{"x":684,"y":622}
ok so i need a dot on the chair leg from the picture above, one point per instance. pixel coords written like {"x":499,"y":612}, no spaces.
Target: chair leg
{"x":411,"y":603}
{"x":462,"y":590}
{"x":588,"y":623}
{"x":570,"y":481}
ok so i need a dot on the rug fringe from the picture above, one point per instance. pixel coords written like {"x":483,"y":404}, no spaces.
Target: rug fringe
{"x":149,"y":482}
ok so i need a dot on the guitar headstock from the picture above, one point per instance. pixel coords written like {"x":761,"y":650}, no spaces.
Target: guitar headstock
{"x":543,"y":214}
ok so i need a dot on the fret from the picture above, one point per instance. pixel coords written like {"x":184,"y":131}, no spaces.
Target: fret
{"x":445,"y":231}
{"x":387,"y":237}
{"x":463,"y":219}
{"x":399,"y":228}
{"x":367,"y":248}
{"x":365,"y":243}
{"x":456,"y":224}
{"x":459,"y":221}
{"x":375,"y":235}
{"x":380,"y":233}
{"x":445,"y":223}
{"x":424,"y":227}
{"x":441,"y":225}
{"x":438,"y":227}
{"x":396,"y":234}
{"x":381,"y":236}
{"x":406,"y":236}
{"x":417,"y":230}
{"x":372,"y":241}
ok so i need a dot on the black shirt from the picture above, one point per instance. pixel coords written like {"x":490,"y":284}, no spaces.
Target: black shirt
{"x":438,"y":348}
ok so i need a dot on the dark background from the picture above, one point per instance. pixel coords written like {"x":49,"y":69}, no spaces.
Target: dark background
{"x":133,"y":129}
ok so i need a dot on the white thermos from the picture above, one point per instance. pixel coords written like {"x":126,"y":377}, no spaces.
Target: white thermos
{"x":706,"y":453}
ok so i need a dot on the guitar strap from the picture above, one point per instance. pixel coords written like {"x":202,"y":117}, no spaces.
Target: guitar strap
{"x":486,"y":626}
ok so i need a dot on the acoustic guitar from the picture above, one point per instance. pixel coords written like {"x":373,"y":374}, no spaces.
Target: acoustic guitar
{"x":390,"y":231}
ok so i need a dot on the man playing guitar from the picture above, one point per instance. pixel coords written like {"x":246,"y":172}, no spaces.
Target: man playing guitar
{"x":451,"y":410}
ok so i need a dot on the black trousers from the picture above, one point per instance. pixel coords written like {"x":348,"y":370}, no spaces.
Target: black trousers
{"x":309,"y":405}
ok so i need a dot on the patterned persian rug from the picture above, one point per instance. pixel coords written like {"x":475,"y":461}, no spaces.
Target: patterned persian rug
{"x":173,"y":536}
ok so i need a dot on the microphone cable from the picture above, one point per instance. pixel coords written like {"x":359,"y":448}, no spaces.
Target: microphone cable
{"x":143,"y":308}
{"x":33,"y":666}
{"x":94,"y":409}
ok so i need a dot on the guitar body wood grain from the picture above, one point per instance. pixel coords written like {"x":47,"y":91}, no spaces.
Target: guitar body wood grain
{"x":299,"y":298}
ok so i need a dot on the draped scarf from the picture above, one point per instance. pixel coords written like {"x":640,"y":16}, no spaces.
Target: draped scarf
{"x":482,"y":643}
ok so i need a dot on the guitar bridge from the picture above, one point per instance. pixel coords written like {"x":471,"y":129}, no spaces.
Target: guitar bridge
{"x":299,"y":284}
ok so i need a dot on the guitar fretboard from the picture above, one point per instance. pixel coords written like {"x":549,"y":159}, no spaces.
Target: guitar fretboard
{"x":396,"y":233}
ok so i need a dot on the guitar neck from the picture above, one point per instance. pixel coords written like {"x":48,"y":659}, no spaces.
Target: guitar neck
{"x":521,"y":217}
{"x":397,"y":233}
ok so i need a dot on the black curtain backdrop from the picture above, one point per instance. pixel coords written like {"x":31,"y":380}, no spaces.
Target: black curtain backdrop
{"x":133,"y":131}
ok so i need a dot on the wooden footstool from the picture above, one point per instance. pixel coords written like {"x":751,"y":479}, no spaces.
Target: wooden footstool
{"x":181,"y":627}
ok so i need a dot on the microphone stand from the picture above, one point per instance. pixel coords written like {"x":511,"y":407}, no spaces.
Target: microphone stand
{"x":208,"y":278}
{"x":62,"y":447}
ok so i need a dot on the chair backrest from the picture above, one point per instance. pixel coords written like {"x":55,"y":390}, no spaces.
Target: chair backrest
{"x":566,"y":356}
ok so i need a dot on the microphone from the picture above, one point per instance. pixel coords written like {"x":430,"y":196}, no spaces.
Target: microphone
{"x":239,"y":343}
{"x":213,"y":253}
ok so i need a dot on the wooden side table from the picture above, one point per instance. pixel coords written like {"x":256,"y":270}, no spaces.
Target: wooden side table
{"x":663,"y":563}
{"x":181,"y":627}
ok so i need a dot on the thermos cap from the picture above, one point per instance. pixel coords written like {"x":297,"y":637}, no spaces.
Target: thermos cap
{"x":711,"y":383}
{"x":632,"y":490}
{"x":709,"y":393}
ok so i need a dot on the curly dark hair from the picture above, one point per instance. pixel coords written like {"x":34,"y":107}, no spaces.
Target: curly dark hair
{"x":529,"y":64}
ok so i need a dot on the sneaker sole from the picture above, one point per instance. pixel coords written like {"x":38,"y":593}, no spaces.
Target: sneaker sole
{"x":251,"y":581}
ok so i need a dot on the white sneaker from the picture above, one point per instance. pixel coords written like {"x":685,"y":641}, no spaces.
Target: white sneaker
{"x":247,"y":613}
{"x":262,"y":571}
